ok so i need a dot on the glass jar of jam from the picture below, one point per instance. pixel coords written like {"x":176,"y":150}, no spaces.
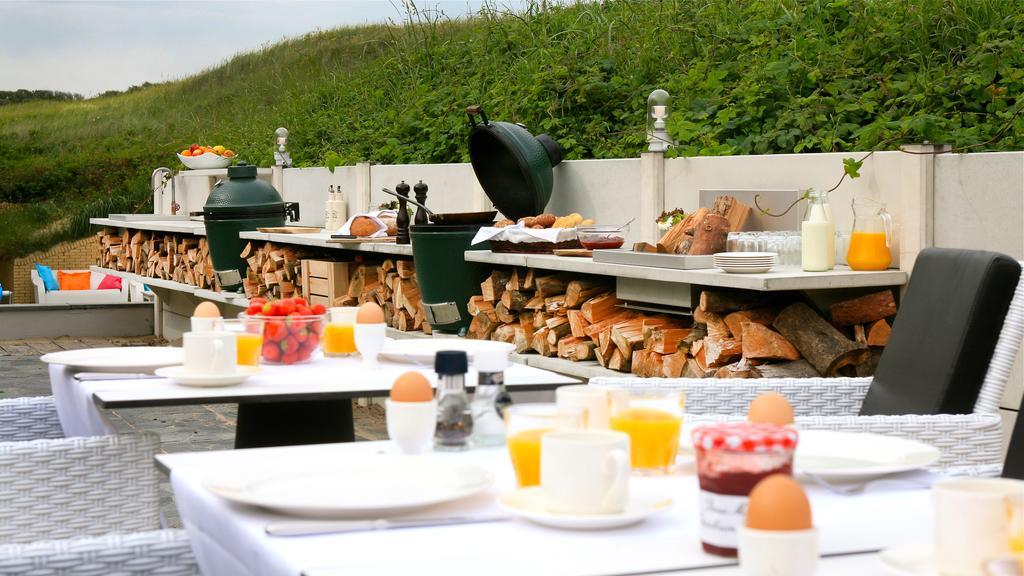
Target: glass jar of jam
{"x":731,"y":459}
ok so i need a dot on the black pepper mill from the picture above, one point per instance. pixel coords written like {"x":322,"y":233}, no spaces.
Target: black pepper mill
{"x":402,"y":219}
{"x":421,"y":197}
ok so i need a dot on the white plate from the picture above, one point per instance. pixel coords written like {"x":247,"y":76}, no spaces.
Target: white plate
{"x":755,"y":270}
{"x":423,"y":350}
{"x":124,"y":359}
{"x":528,"y":503}
{"x":742,"y":255}
{"x":849,"y":456}
{"x":361,"y":487}
{"x":178,"y":375}
{"x":909,"y":560}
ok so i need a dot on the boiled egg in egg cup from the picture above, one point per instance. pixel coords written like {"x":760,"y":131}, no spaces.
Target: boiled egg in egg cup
{"x":771,"y":408}
{"x":411,"y":413}
{"x":778,"y":536}
{"x":370,"y":333}
{"x":207,"y":318}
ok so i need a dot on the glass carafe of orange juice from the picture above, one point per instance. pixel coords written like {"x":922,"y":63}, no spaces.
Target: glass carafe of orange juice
{"x":871,"y":237}
{"x":339,"y":333}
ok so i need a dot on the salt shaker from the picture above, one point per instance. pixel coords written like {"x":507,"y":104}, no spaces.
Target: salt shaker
{"x":490,"y":398}
{"x":454,"y":419}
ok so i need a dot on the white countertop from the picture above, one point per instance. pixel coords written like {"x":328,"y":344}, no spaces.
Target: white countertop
{"x":784,"y":278}
{"x":321,"y":240}
{"x":171,"y":226}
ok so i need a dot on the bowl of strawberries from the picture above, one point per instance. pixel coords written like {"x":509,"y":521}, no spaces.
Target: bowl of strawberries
{"x":291,"y":328}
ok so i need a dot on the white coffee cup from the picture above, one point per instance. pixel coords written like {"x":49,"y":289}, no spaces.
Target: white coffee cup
{"x":974,"y":521}
{"x":411,"y":425}
{"x":585,"y":471}
{"x":595,"y":402}
{"x":210,"y":353}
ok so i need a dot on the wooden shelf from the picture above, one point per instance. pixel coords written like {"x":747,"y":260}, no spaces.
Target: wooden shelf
{"x":783,"y":279}
{"x":320,"y":240}
{"x":169,"y":226}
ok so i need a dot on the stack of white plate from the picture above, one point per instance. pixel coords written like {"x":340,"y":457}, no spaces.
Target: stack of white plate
{"x":745,"y":262}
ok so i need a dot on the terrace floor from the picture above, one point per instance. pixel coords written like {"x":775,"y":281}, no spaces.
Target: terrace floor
{"x":181,"y":428}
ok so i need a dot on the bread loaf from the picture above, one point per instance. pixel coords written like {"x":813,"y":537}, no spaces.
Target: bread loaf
{"x":364,"y":226}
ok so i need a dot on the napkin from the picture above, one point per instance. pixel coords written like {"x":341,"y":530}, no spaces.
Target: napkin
{"x":520,"y":233}
{"x":375,"y":215}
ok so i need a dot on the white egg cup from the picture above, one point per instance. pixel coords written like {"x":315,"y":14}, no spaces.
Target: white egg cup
{"x":370,"y":339}
{"x":207,"y":323}
{"x":411,"y":425}
{"x":773,"y":552}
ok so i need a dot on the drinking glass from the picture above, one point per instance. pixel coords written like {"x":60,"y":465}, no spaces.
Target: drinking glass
{"x":339,"y":334}
{"x":653,"y":418}
{"x":248,"y":339}
{"x":524,"y":426}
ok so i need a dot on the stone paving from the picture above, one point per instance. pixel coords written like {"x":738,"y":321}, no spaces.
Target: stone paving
{"x":181,"y":428}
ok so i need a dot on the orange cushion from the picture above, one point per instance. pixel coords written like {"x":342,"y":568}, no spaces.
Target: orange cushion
{"x":73,"y":280}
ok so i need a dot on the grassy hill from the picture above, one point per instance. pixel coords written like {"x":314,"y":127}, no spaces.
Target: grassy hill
{"x":752,"y":77}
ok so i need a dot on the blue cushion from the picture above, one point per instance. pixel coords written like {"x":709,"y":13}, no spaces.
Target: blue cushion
{"x":49,"y":280}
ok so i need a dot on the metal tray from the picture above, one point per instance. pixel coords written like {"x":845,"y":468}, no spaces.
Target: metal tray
{"x":675,"y":261}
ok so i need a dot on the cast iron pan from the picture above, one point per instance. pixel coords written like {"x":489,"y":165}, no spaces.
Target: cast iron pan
{"x":453,"y":218}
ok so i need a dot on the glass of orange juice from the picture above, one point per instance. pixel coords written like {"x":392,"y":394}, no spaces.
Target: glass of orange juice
{"x":339,"y":334}
{"x":653,"y":418}
{"x":249,"y":339}
{"x":525,"y":424}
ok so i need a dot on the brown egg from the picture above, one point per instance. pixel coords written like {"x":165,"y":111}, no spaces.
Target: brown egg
{"x":207,"y":310}
{"x":778,"y":503}
{"x":770,"y":408}
{"x":411,"y":387}
{"x":370,"y":313}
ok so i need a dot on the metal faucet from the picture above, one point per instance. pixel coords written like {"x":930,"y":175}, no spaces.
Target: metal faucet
{"x":158,"y":181}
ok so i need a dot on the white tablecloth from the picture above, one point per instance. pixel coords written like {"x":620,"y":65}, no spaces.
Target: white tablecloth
{"x":79,"y":415}
{"x":229,"y":539}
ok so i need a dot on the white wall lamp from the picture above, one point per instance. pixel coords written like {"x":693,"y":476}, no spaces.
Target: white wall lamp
{"x":659,"y":107}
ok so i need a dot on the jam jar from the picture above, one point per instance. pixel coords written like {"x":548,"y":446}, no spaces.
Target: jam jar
{"x":731,"y":459}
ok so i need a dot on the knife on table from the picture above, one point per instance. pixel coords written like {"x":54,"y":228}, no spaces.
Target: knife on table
{"x":315,"y":527}
{"x":91,"y":376}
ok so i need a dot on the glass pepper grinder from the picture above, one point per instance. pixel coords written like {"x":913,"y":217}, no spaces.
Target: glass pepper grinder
{"x":454,"y":419}
{"x":490,"y":398}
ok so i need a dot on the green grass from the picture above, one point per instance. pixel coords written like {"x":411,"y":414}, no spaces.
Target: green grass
{"x":752,"y":77}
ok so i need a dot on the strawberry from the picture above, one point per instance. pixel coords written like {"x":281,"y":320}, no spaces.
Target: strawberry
{"x":290,"y":358}
{"x":318,"y":309}
{"x":304,"y":311}
{"x":275,"y":331}
{"x":287,"y":306}
{"x":289,"y":345}
{"x":271,"y":352}
{"x":258,"y":300}
{"x":301,"y":335}
{"x":316,"y":326}
{"x":268,"y":309}
{"x":254,"y":309}
{"x":314,"y":339}
{"x":300,"y":302}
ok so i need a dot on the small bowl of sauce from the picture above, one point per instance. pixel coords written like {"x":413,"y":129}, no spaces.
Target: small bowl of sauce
{"x":602,"y":237}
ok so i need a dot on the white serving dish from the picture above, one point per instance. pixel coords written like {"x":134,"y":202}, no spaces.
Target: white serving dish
{"x":135,"y":359}
{"x":528,"y":503}
{"x":205,"y":161}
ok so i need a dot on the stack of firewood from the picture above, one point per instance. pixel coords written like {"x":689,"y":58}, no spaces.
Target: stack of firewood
{"x":274,"y":271}
{"x":702,"y":232}
{"x":393,"y":286}
{"x":731,"y":334}
{"x":178,"y":257}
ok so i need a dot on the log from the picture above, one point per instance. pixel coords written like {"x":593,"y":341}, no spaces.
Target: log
{"x":515,"y":279}
{"x":558,"y":328}
{"x":646,"y":364}
{"x":521,"y":340}
{"x":503,"y":314}
{"x":762,"y":316}
{"x":710,"y":236}
{"x":878,"y":334}
{"x":553,"y":285}
{"x":619,"y":362}
{"x":864,"y":310}
{"x":579,"y":291}
{"x":796,"y":369}
{"x":482,"y":325}
{"x":721,"y":351}
{"x":733,"y":210}
{"x":505,"y":333}
{"x":859,"y":335}
{"x":628,"y":336}
{"x":734,"y":370}
{"x":694,"y":370}
{"x":672,"y":365}
{"x":713,"y":324}
{"x":539,"y":342}
{"x":540,"y":319}
{"x":515,"y":300}
{"x":730,"y":300}
{"x":762,"y":343}
{"x":494,"y":285}
{"x":477,"y":304}
{"x":535,"y":303}
{"x":605,"y":325}
{"x":405,"y":268}
{"x":667,"y":340}
{"x":600,"y":307}
{"x":645,"y":247}
{"x":555,"y":304}
{"x":577,"y":323}
{"x":817,"y":340}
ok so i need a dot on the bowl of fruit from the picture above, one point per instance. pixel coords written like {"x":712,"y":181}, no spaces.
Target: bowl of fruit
{"x":198,"y":157}
{"x":291,"y":328}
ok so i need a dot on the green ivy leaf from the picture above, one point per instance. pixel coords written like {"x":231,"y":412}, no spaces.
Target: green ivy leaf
{"x":852,"y":167}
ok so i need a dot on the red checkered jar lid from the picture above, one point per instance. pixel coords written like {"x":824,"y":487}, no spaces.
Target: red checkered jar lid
{"x":745,"y":437}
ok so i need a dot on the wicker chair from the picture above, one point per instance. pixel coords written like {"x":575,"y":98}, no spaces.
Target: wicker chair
{"x":71,"y":505}
{"x":969,"y":442}
{"x":29,"y":418}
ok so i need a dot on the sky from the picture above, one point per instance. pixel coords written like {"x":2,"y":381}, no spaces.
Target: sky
{"x":89,"y":47}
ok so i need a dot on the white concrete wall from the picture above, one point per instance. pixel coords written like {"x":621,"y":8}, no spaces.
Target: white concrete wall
{"x":451,"y":187}
{"x":979,"y":204}
{"x":606,"y":190}
{"x":308,"y":187}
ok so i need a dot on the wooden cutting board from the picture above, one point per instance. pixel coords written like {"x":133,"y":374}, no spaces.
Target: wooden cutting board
{"x":384,"y":240}
{"x":289,"y":230}
{"x":574,"y":253}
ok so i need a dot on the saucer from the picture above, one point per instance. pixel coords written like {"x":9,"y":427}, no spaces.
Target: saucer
{"x":178,"y":375}
{"x":528,"y":503}
{"x":910,"y":560}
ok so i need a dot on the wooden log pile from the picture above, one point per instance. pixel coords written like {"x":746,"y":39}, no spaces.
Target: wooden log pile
{"x":731,"y":334}
{"x":275,"y":271}
{"x":179,"y":257}
{"x":393,"y":286}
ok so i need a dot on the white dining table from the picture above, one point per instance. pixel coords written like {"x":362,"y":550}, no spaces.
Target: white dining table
{"x":81,"y":403}
{"x":230,"y":538}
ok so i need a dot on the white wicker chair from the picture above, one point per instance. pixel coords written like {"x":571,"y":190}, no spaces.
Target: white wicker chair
{"x":29,"y":418}
{"x":71,"y":505}
{"x":968,"y":441}
{"x":162,"y":552}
